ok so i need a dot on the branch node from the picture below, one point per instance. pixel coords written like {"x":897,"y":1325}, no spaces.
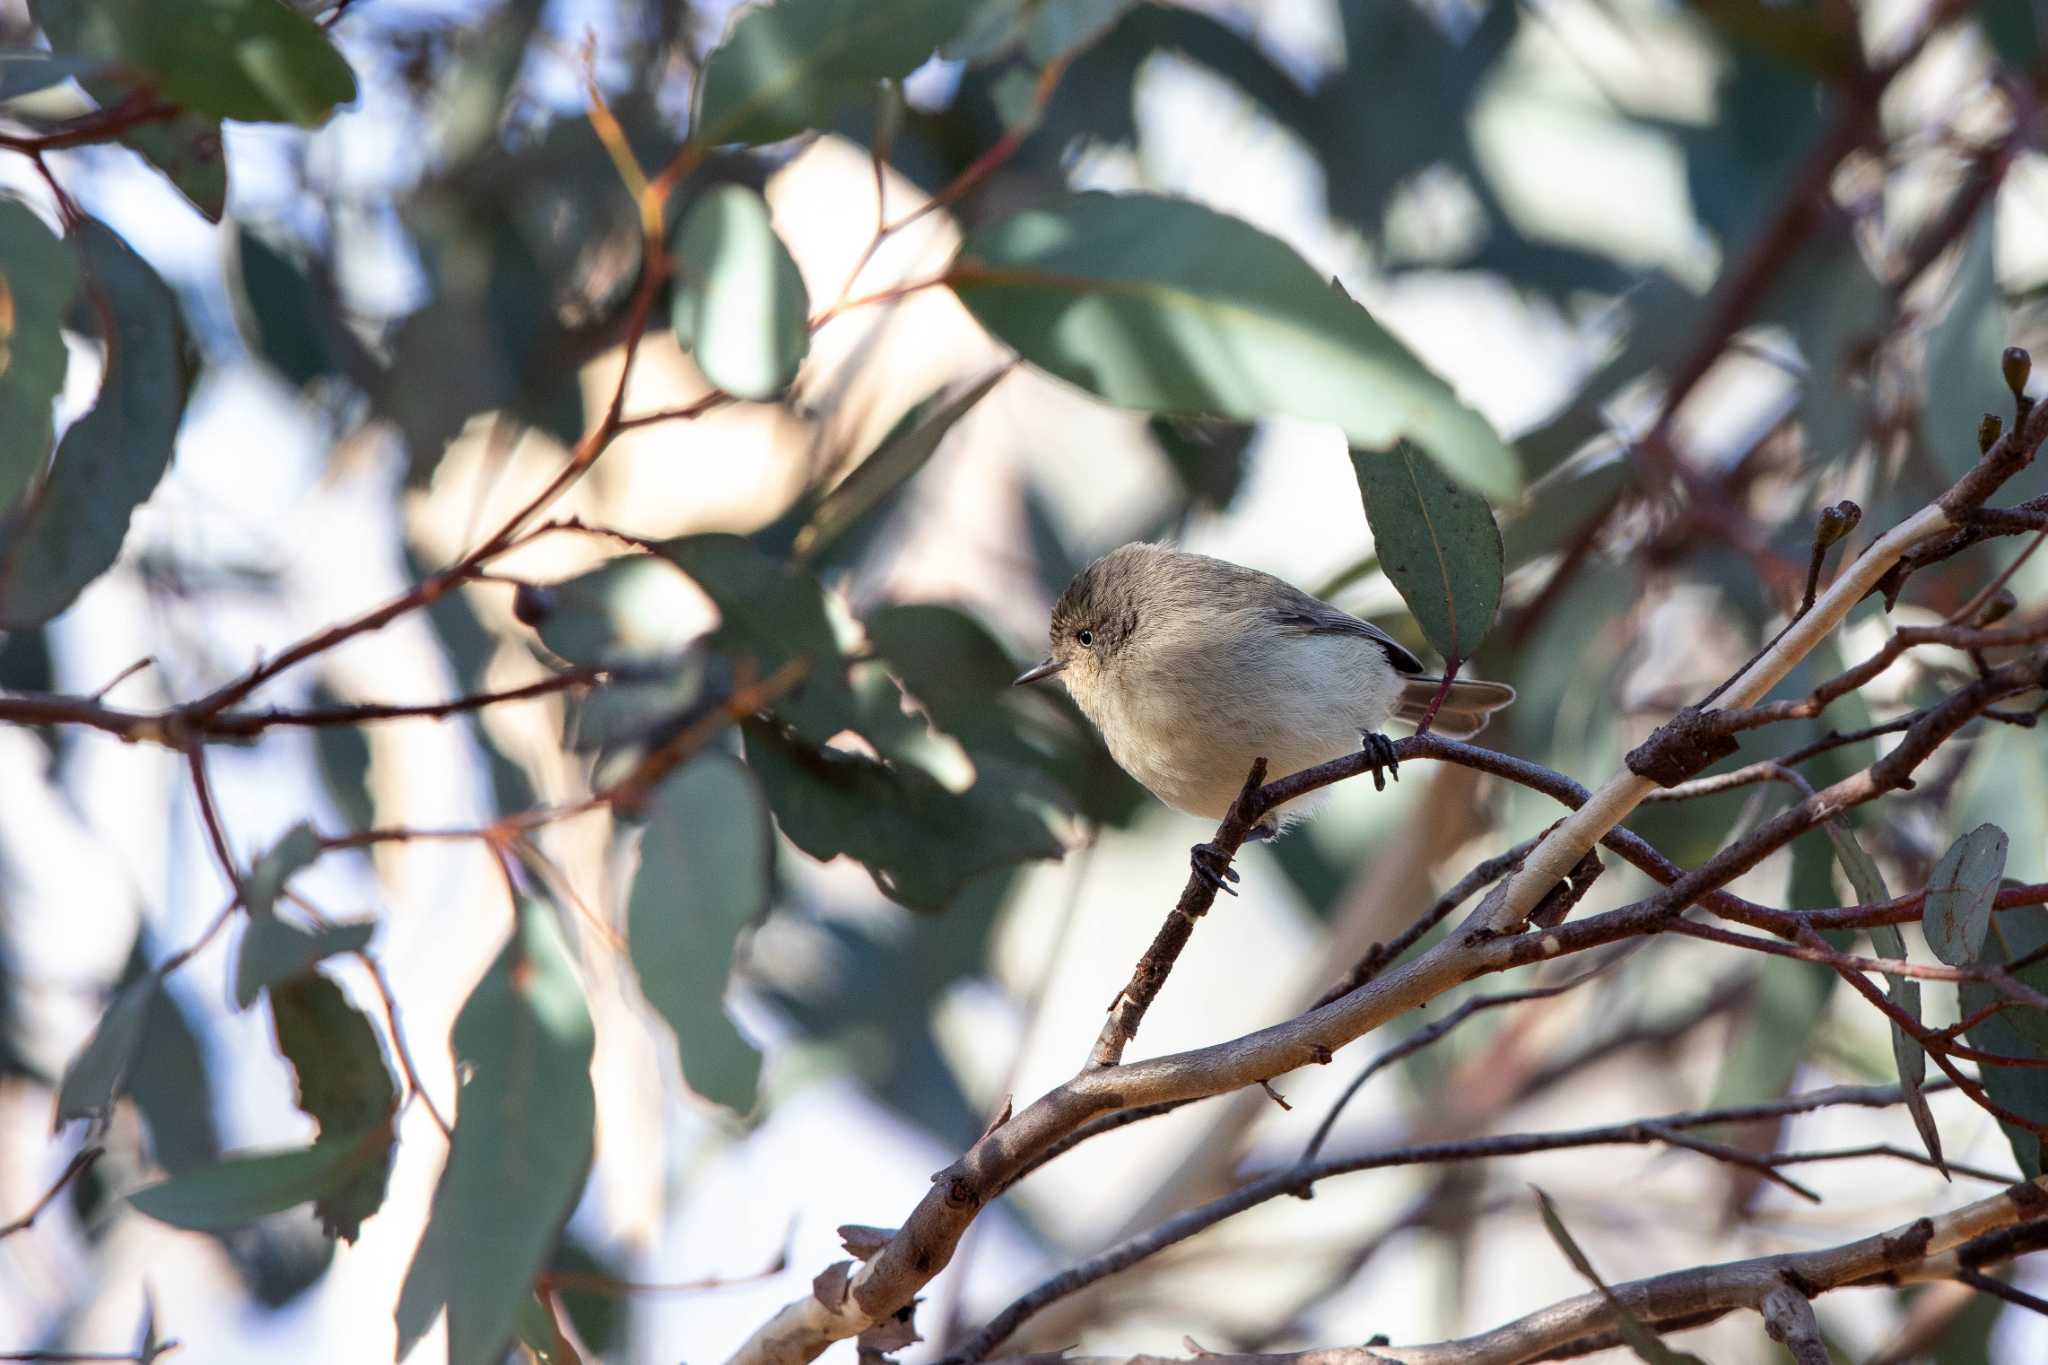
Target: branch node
{"x":1691,"y":740}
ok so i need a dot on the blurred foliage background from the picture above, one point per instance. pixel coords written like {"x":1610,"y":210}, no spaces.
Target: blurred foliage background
{"x":1708,"y":268}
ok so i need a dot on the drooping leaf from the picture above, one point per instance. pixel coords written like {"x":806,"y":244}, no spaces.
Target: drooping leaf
{"x":94,"y":1077}
{"x":2015,"y":1031}
{"x":521,"y":1149}
{"x":273,"y":951}
{"x":241,"y":1189}
{"x":740,"y":304}
{"x":188,"y":149}
{"x":168,"y":1081}
{"x":1959,"y":895}
{"x":792,"y":65}
{"x":1170,"y":307}
{"x":771,"y":614}
{"x":706,"y":861}
{"x":1637,"y":1336}
{"x":70,"y":529}
{"x":1963,"y":350}
{"x":875,"y":481}
{"x":631,"y":610}
{"x":344,"y":1084}
{"x":920,"y":842}
{"x":266,"y":880}
{"x":542,"y":1335}
{"x":37,"y":280}
{"x":284,"y":318}
{"x":1437,"y":542}
{"x":256,"y":60}
{"x":1901,"y":991}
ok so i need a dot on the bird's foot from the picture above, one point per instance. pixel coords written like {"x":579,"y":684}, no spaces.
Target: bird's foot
{"x":1379,"y":752}
{"x":1212,"y":865}
{"x":1265,"y":829}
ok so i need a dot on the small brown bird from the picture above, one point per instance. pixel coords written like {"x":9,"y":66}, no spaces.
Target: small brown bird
{"x":1192,"y":667}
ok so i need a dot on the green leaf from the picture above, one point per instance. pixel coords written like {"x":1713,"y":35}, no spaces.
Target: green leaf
{"x":344,"y":755}
{"x":1963,"y":351}
{"x":1646,"y":1344}
{"x":274,"y":951}
{"x":37,"y":280}
{"x":740,"y":305}
{"x":790,"y":66}
{"x":1167,"y":306}
{"x":1901,"y":991}
{"x":344,"y":1084}
{"x":2015,"y":1031}
{"x":2015,"y":29}
{"x":706,"y":864}
{"x":25,"y":70}
{"x":256,"y":60}
{"x":283,"y":317}
{"x":188,"y":150}
{"x":241,"y":1189}
{"x":521,"y":1149}
{"x":1058,"y":27}
{"x":95,"y":1076}
{"x":1437,"y":542}
{"x":543,"y":1336}
{"x":70,"y":529}
{"x":1959,"y":895}
{"x":914,"y":439}
{"x":266,"y":880}
{"x":920,"y":842}
{"x":770,"y":615}
{"x":631,"y":610}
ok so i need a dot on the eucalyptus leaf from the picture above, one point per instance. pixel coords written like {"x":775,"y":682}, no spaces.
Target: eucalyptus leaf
{"x":70,"y":530}
{"x":248,"y":1186}
{"x":266,"y":880}
{"x":256,"y":60}
{"x":1437,"y":542}
{"x":1167,"y":306}
{"x":1637,"y":1336}
{"x":25,"y":70}
{"x":635,"y":609}
{"x":2015,"y":1031}
{"x":521,"y":1149}
{"x":1960,"y":893}
{"x":274,"y":951}
{"x":38,"y":277}
{"x":344,"y":1085}
{"x":706,"y":865}
{"x":1963,"y":350}
{"x":793,"y":65}
{"x":95,"y":1076}
{"x":740,"y":306}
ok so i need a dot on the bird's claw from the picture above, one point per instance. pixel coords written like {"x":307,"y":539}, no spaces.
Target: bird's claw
{"x":1379,"y":752}
{"x":1212,"y":865}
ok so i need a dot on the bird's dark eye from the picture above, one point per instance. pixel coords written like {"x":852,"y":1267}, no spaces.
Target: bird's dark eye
{"x":1086,"y":637}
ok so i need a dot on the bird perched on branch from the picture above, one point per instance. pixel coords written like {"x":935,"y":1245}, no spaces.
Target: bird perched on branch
{"x":1192,"y":667}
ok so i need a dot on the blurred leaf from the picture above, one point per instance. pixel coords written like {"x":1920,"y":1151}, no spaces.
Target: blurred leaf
{"x":38,"y":277}
{"x":1963,"y":350}
{"x":521,"y":1149}
{"x":1819,"y":39}
{"x":255,"y":60}
{"x":25,"y":70}
{"x":267,"y":877}
{"x":635,"y":609}
{"x":599,"y":1319}
{"x":1738,"y":164}
{"x":1646,"y":1344}
{"x":284,"y":319}
{"x":876,"y":480}
{"x":2015,"y":1031}
{"x":1209,"y":458}
{"x":1836,"y":309}
{"x":706,"y":867}
{"x":2015,"y":29}
{"x":771,"y":614}
{"x":188,"y":150}
{"x":1960,"y":893}
{"x":1901,"y":991}
{"x":95,"y":1075}
{"x":70,"y":529}
{"x":1436,"y":541}
{"x":1168,"y":306}
{"x":542,"y":1335}
{"x":169,"y":1084}
{"x":1053,"y":28}
{"x":920,"y":842}
{"x":961,"y":676}
{"x":344,"y":1085}
{"x":790,"y":66}
{"x":274,"y":951}
{"x":344,"y":755}
{"x":739,"y":305}
{"x":242,"y":1189}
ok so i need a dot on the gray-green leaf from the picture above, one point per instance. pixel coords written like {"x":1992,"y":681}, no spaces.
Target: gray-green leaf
{"x":1171,"y":307}
{"x":740,"y":304}
{"x":706,"y":861}
{"x":1437,"y":542}
{"x":1959,"y":895}
{"x":38,"y":277}
{"x":274,"y":951}
{"x":95,"y":1076}
{"x":241,"y":1189}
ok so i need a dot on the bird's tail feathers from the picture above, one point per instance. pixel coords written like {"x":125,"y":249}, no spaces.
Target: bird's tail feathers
{"x":1465,"y":708}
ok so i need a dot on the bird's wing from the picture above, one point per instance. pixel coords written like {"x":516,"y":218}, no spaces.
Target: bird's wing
{"x":1315,"y":617}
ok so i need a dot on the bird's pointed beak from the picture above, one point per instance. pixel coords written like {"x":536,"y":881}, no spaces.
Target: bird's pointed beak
{"x":1043,"y":669}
